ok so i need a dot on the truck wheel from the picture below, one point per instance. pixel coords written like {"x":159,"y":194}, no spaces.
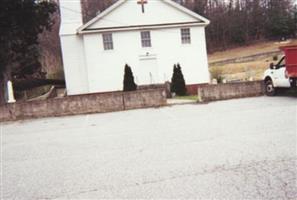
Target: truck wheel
{"x":270,"y":90}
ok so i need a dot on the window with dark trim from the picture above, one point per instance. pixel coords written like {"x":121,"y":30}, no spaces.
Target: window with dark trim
{"x":107,"y":41}
{"x":186,"y":36}
{"x":146,"y":39}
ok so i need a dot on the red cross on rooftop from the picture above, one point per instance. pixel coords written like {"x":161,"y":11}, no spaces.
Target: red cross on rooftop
{"x":142,"y":2}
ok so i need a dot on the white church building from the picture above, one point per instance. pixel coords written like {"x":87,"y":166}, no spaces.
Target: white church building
{"x":148,"y":35}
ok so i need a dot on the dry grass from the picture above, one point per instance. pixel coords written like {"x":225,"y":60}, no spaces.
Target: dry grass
{"x":244,"y":71}
{"x":248,"y":70}
{"x":249,"y":50}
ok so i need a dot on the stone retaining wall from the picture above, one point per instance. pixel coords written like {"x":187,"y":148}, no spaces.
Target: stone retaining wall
{"x":84,"y":104}
{"x":230,"y":91}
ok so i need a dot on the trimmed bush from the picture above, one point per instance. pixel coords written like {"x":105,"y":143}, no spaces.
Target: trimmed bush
{"x":178,"y":85}
{"x":129,"y":84}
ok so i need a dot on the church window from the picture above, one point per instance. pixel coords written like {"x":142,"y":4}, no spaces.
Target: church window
{"x":107,"y":41}
{"x":146,"y":39}
{"x":186,"y":36}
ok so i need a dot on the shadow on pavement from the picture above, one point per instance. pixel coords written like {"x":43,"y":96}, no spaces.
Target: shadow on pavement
{"x":287,"y":93}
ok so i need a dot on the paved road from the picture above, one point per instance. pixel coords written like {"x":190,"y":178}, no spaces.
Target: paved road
{"x":238,"y":149}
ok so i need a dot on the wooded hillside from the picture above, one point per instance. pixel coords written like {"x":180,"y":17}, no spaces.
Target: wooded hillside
{"x":240,"y":22}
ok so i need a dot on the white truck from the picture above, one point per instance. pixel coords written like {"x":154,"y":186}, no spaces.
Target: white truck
{"x":283,"y":74}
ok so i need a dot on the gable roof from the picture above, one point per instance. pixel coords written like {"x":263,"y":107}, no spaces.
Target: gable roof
{"x":199,"y":20}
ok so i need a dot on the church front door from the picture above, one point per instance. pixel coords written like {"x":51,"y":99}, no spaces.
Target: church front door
{"x":148,"y":71}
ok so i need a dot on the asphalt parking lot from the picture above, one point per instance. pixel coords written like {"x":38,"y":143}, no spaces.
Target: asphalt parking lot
{"x":236,"y":149}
